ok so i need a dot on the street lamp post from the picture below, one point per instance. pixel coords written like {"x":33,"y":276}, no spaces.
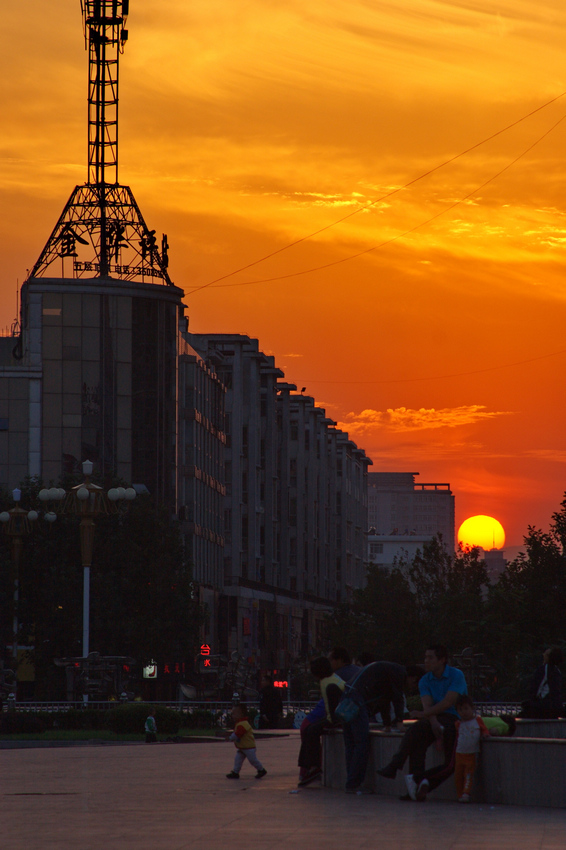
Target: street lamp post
{"x":89,"y":501}
{"x":17,"y":525}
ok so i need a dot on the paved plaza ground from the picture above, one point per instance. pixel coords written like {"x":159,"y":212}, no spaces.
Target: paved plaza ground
{"x":176,"y":797}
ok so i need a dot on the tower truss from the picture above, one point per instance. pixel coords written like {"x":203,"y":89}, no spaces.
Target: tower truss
{"x":101,"y":229}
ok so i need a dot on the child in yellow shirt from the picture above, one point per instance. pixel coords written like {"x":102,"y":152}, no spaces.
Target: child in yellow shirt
{"x":244,"y":740}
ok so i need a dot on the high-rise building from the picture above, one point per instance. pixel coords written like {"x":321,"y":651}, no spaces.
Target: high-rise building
{"x":96,"y":358}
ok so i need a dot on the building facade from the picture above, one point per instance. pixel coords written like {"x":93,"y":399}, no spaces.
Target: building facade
{"x":295,"y":508}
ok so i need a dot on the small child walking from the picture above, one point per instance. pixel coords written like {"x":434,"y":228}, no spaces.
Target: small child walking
{"x":470,"y":729}
{"x":244,"y":740}
{"x":150,"y":730}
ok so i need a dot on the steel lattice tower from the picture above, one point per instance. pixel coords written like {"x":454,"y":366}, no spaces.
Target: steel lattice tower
{"x":101,"y":230}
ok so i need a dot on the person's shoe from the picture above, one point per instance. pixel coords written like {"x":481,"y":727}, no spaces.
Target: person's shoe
{"x":422,"y":791}
{"x":465,"y":798}
{"x":406,"y":798}
{"x":412,"y":786}
{"x":232,"y":775}
{"x":388,"y":772}
{"x":314,"y":773}
{"x":261,"y":773}
{"x":362,"y":792}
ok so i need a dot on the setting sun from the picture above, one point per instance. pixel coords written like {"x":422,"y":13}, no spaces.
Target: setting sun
{"x":484,"y":531}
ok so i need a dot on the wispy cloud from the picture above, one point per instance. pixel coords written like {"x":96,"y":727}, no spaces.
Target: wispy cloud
{"x":552,"y":455}
{"x":406,"y":419}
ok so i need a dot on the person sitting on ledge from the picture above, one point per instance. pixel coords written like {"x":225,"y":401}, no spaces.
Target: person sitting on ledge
{"x":439,"y":688}
{"x":331,"y":688}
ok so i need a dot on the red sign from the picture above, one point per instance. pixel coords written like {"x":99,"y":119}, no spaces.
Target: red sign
{"x":281,"y":684}
{"x":205,"y":649}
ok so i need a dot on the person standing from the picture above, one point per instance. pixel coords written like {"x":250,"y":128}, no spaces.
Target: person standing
{"x":150,"y":730}
{"x":243,"y":738}
{"x":270,"y":704}
{"x":545,"y":692}
{"x":375,"y":688}
{"x":439,"y":688}
{"x":341,"y":663}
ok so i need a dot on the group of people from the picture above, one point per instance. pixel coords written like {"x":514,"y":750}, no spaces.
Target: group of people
{"x":351,"y":695}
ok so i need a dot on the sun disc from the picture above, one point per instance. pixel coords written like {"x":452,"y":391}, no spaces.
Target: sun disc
{"x":481,"y":530}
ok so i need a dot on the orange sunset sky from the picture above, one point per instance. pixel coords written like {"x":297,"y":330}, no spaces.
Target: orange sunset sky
{"x":245,"y":126}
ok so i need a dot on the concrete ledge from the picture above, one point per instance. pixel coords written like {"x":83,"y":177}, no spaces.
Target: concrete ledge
{"x":540,"y":728}
{"x":516,"y":771}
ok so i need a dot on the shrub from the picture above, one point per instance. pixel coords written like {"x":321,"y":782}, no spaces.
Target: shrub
{"x":130,"y":718}
{"x":77,"y":718}
{"x":288,"y":720}
{"x":201,"y":718}
{"x":18,"y":723}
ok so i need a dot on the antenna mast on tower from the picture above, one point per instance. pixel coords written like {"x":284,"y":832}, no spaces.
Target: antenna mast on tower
{"x":101,"y":229}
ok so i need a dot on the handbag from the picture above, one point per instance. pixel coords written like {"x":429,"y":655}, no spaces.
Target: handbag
{"x":346,"y":710}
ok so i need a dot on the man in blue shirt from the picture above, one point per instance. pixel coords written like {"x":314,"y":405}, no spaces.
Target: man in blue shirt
{"x":439,"y":688}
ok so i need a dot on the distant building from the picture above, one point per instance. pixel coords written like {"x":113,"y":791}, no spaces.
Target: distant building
{"x":387,"y":550}
{"x":399,"y":507}
{"x":495,"y":564}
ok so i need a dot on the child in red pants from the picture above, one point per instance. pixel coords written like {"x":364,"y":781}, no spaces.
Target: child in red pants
{"x":470,"y":729}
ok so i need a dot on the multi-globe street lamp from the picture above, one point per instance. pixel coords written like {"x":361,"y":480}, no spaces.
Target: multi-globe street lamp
{"x":17,"y":525}
{"x":88,"y":501}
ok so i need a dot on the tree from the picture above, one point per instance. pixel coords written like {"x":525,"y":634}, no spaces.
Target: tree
{"x":450,"y":592}
{"x":526,"y":607}
{"x":382,"y":618}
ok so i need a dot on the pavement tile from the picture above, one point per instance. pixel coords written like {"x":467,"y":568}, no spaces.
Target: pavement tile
{"x":176,"y":797}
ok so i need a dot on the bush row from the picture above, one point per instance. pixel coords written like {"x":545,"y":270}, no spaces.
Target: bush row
{"x":123,"y":719}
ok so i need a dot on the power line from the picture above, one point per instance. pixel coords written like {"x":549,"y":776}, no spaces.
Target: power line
{"x":376,"y":201}
{"x":453,"y":375}
{"x":393,"y":238}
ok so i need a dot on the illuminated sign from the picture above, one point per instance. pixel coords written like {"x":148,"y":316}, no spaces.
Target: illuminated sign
{"x":281,"y":684}
{"x":150,"y":672}
{"x":205,"y":649}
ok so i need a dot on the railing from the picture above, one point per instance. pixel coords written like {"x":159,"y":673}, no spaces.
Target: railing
{"x":486,"y":709}
{"x":489,"y":709}
{"x":184,"y":706}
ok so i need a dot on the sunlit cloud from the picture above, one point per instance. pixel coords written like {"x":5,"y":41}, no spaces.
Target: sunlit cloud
{"x":406,"y":419}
